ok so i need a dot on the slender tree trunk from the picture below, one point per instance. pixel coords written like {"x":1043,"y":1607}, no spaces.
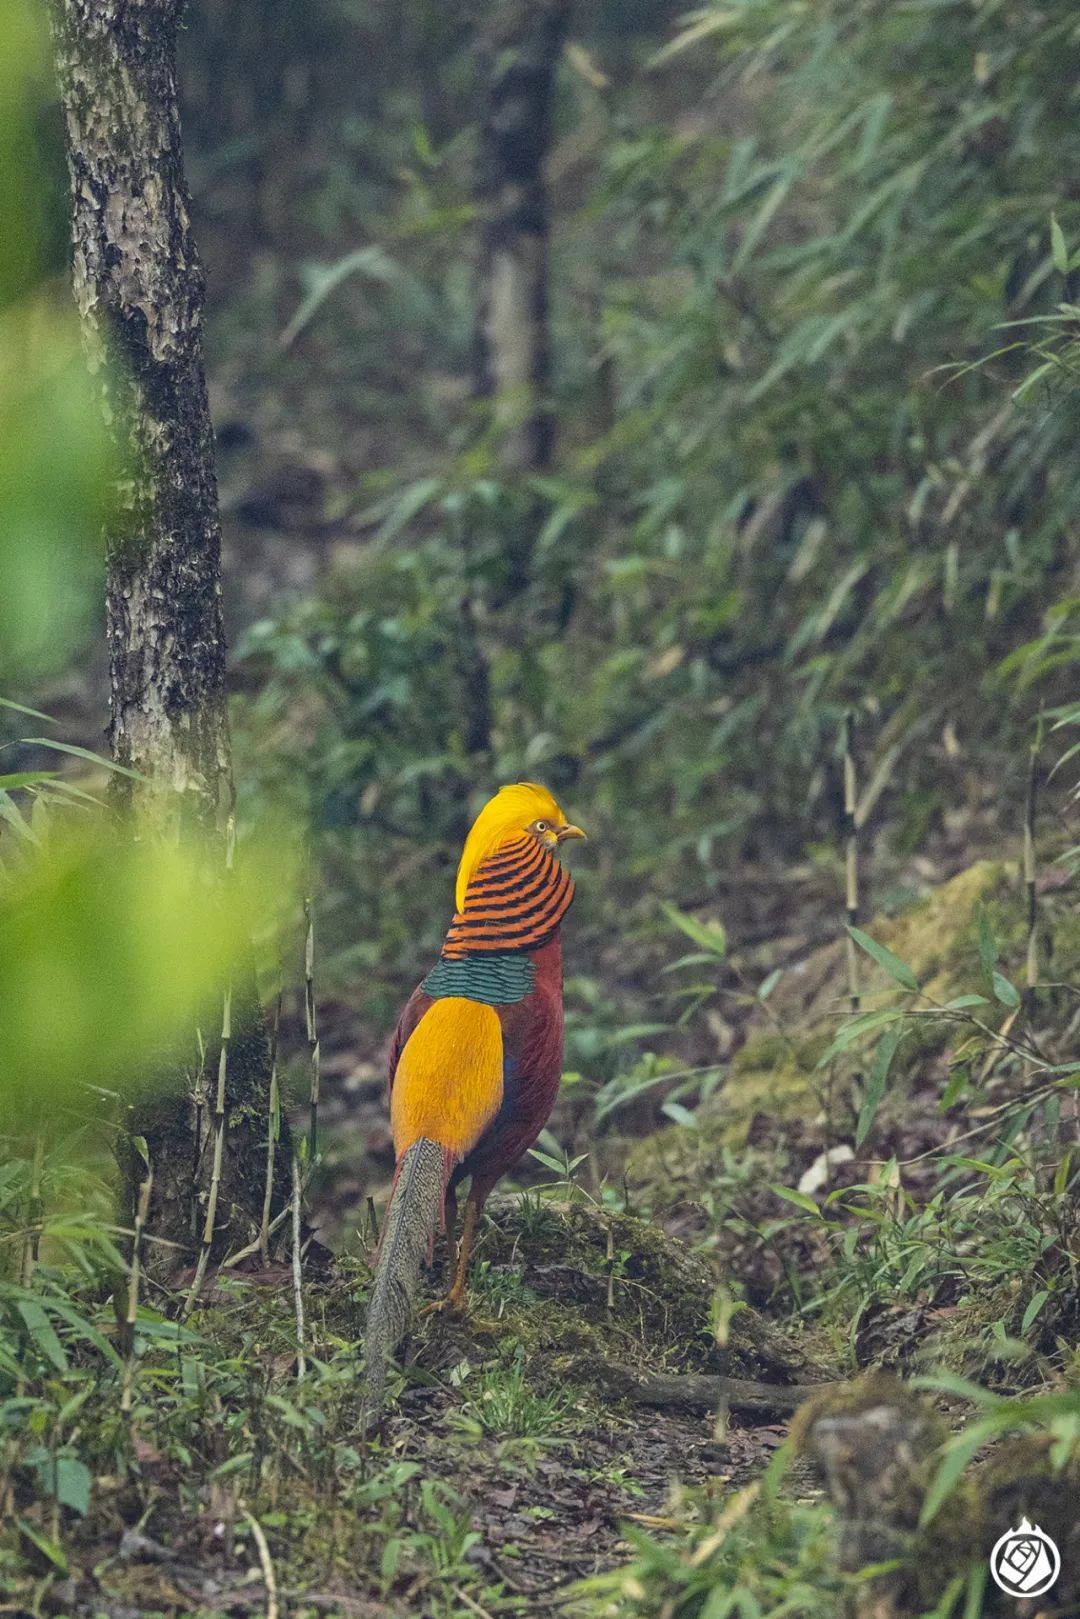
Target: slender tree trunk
{"x":518,"y":57}
{"x":139,"y":287}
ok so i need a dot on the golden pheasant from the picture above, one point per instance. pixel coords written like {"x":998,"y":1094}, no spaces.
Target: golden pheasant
{"x":476,"y":1057}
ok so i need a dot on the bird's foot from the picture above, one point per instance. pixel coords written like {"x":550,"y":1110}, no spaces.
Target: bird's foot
{"x":452,"y":1303}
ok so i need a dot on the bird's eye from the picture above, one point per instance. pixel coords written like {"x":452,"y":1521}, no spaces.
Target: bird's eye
{"x":541,"y":826}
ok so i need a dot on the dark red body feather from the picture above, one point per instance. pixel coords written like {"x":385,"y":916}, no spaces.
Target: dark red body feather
{"x":532,"y":1031}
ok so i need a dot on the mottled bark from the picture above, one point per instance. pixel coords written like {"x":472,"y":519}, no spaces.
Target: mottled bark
{"x":139,"y":287}
{"x":518,"y":57}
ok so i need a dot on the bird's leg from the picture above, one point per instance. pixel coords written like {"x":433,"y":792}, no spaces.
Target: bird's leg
{"x":455,"y":1299}
{"x":450,"y":1229}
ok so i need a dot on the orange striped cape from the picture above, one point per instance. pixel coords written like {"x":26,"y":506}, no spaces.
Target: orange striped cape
{"x":515,"y":900}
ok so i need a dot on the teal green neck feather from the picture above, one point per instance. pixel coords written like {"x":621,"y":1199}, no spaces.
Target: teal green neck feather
{"x":498,"y":979}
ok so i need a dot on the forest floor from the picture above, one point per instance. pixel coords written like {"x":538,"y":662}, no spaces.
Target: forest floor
{"x":509,"y":1469}
{"x":521,"y":1455}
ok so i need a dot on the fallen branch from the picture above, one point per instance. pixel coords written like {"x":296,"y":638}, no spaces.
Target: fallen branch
{"x":694,"y":1391}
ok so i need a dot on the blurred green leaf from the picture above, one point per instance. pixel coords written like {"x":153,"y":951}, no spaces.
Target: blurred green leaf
{"x":800,"y":1199}
{"x":897,"y":970}
{"x":1058,"y":249}
{"x":110,"y":952}
{"x":875,"y":1080}
{"x":710,"y":935}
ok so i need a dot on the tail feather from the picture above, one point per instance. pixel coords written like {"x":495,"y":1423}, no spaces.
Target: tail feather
{"x":411,"y":1221}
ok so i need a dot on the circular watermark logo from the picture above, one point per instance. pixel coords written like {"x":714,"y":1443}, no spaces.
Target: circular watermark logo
{"x":1025,"y":1562}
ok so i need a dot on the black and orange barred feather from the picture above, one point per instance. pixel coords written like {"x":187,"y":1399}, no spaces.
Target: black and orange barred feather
{"x":515,"y":901}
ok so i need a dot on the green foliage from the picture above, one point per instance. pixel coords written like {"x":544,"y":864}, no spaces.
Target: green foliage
{"x":791,"y":480}
{"x":754,"y":1555}
{"x":993,"y":1238}
{"x":53,"y":463}
{"x":1057,"y":1416}
{"x":213,"y":1401}
{"x":500,"y":1401}
{"x":769,"y":503}
{"x":112,"y":951}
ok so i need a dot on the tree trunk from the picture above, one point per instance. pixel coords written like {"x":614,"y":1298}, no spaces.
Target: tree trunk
{"x":518,"y":57}
{"x":139,"y":287}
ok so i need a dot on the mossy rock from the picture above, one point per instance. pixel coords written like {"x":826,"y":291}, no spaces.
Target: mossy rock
{"x":880,"y":1459}
{"x":936,"y":937}
{"x":774,"y":1076}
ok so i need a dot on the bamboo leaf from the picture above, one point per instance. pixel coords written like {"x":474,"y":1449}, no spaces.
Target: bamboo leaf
{"x":702,"y":24}
{"x":42,"y":1332}
{"x":856,"y":1027}
{"x":85,"y":753}
{"x":800,"y":1199}
{"x":1059,"y":252}
{"x":769,"y":983}
{"x":21,"y":708}
{"x":25,"y":778}
{"x":1006,"y":993}
{"x":1035,"y":1304}
{"x":48,"y":1548}
{"x":957,"y":1455}
{"x":712,"y":936}
{"x":875,"y":1080}
{"x":897,"y":970}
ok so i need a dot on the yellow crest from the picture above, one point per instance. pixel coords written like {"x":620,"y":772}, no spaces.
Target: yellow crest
{"x":510,"y":813}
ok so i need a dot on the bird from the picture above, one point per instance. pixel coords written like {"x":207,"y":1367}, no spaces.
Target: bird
{"x":476,"y":1057}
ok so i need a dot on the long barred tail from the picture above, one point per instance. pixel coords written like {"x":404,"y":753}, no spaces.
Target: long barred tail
{"x":410,"y":1225}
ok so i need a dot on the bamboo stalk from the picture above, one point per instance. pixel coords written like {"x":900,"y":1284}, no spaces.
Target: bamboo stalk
{"x":200,"y":1109}
{"x":273,"y":1134}
{"x":312,"y":1032}
{"x":219,"y":1109}
{"x":219,"y":1153}
{"x":265,"y":1562}
{"x":851,"y":856}
{"x":253,"y":1247}
{"x":34,"y":1213}
{"x":142,"y":1211}
{"x":1031,"y":805}
{"x":297,"y":1273}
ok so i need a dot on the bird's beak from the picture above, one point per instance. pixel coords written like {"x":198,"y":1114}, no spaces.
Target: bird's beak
{"x":567,"y":832}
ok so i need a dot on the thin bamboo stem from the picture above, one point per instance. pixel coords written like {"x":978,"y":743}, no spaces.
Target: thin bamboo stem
{"x":851,"y":856}
{"x":1031,"y":806}
{"x":265,"y":1562}
{"x":219,"y":1154}
{"x":220,"y":1117}
{"x":297,"y":1271}
{"x":273,"y":1134}
{"x":142,"y":1211}
{"x":312,"y":1030}
{"x":35,"y":1212}
{"x":200,"y":1109}
{"x":253,"y":1247}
